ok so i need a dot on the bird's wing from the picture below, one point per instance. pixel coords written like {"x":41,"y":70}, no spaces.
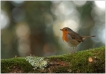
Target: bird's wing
{"x":75,"y":36}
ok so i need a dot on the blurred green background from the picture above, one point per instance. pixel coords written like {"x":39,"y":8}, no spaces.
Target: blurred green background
{"x":33,"y":27}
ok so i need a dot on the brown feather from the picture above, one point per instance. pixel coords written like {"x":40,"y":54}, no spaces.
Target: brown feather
{"x":75,"y":36}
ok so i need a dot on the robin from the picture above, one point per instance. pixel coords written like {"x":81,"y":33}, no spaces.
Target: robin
{"x":72,"y":38}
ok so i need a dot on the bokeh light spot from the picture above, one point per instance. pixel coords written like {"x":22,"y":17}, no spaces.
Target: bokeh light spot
{"x":17,"y":2}
{"x":66,"y":8}
{"x":100,"y":4}
{"x":22,"y":30}
{"x":79,"y":3}
{"x":4,"y":19}
{"x":18,"y":14}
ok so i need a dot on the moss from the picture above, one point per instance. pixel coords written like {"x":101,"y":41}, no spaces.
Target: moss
{"x":8,"y":65}
{"x":78,"y":62}
{"x":87,"y":61}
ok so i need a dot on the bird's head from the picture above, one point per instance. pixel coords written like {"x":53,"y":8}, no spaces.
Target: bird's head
{"x":65,"y":30}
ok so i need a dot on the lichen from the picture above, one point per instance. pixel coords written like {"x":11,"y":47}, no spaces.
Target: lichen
{"x":37,"y":62}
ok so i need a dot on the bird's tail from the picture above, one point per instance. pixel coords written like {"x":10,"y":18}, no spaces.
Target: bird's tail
{"x":84,"y":37}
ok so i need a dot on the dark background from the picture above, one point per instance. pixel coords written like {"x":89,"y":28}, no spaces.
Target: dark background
{"x":33,"y":27}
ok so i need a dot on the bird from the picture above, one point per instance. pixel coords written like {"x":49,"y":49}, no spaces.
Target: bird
{"x":72,"y":38}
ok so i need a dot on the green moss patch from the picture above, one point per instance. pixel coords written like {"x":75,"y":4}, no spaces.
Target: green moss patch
{"x":87,"y":61}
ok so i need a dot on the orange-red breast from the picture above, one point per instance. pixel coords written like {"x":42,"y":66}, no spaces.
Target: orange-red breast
{"x":72,"y":38}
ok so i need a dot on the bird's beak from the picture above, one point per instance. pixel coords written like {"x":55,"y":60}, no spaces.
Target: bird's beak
{"x":61,"y":29}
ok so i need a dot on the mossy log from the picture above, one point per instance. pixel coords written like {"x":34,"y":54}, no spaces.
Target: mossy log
{"x":87,"y":61}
